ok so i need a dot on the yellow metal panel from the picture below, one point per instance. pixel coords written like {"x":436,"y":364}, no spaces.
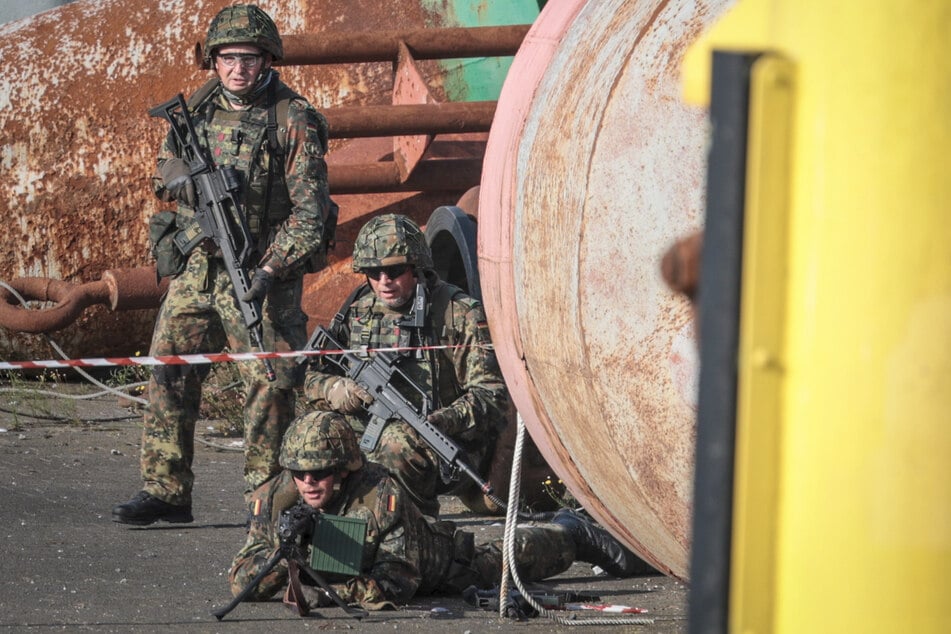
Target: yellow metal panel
{"x":862,"y":436}
{"x":745,"y":27}
{"x":761,"y":355}
{"x":866,"y":486}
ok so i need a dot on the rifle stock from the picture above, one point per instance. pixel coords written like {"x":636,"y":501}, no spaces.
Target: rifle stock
{"x":219,"y":214}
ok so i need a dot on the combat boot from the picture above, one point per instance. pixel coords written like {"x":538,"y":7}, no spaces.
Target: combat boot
{"x":145,"y":509}
{"x":595,"y":545}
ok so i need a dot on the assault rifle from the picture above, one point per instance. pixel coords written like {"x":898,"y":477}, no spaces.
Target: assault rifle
{"x":382,"y":377}
{"x":295,"y":530}
{"x":218,"y":214}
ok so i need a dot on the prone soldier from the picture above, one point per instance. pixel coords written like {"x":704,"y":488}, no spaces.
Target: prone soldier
{"x":403,"y":554}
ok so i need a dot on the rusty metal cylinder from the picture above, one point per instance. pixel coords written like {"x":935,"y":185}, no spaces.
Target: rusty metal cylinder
{"x":437,"y":118}
{"x":594,"y":167}
{"x":381,"y":46}
{"x":134,"y":289}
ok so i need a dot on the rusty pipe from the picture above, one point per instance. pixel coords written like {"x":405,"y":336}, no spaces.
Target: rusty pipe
{"x":348,"y":122}
{"x":70,"y":299}
{"x":383,"y":46}
{"x":133,"y":289}
{"x":120,"y":289}
{"x":450,"y":174}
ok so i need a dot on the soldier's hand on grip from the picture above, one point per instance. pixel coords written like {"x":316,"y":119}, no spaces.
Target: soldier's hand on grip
{"x":178,"y":181}
{"x":261,"y":281}
{"x":346,"y":397}
{"x":441,"y":420}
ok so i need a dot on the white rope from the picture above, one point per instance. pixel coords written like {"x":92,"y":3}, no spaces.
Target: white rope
{"x":62,"y":354}
{"x":511,"y":518}
{"x":509,"y":569}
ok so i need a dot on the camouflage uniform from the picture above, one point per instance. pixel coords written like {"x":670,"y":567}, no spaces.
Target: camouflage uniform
{"x":200,"y":311}
{"x":465,"y":383}
{"x":404,"y":554}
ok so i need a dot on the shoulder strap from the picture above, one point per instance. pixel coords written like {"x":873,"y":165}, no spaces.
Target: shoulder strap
{"x":275,"y":145}
{"x":279,"y":100}
{"x":203,"y":93}
{"x":441,"y":322}
{"x":341,"y":316}
{"x":440,"y":307}
{"x":277,"y":107}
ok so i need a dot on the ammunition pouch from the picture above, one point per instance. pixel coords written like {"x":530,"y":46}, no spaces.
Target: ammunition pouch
{"x":172,"y":237}
{"x":169,"y":259}
{"x":460,"y":574}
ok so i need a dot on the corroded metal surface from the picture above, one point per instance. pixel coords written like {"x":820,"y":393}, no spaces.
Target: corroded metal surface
{"x":434,"y":118}
{"x":376,"y":46}
{"x":78,"y":147}
{"x":125,"y":289}
{"x":594,"y":167}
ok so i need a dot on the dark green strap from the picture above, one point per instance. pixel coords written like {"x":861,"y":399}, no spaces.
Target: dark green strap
{"x":275,"y":154}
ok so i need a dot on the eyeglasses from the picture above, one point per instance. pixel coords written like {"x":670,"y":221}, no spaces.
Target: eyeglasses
{"x":392,"y":272}
{"x":316,"y":474}
{"x":247,"y":60}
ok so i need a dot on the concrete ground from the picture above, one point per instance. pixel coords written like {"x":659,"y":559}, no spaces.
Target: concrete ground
{"x":68,"y":567}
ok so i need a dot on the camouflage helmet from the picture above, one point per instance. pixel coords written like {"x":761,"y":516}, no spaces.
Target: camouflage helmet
{"x":320,"y":441}
{"x":243,"y":24}
{"x":391,"y":239}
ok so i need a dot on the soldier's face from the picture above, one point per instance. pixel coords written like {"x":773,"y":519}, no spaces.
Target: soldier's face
{"x":393,"y":285}
{"x":238,"y":67}
{"x":317,"y":492}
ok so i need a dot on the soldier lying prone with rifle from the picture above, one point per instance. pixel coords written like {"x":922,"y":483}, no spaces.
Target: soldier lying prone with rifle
{"x":336,"y":529}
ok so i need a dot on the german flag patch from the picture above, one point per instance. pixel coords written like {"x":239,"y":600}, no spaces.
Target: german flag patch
{"x":391,"y":503}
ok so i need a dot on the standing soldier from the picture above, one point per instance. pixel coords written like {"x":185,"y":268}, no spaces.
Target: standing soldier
{"x":245,"y":117}
{"x":405,"y":304}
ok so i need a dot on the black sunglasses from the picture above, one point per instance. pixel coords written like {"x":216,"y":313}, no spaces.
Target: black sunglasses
{"x":392,"y":272}
{"x":315,"y":474}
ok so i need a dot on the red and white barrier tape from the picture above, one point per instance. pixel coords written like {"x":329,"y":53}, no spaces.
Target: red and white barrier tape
{"x":191,"y":359}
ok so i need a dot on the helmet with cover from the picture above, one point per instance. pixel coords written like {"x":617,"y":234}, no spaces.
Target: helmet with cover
{"x":243,"y":24}
{"x":321,"y":441}
{"x":388,"y":240}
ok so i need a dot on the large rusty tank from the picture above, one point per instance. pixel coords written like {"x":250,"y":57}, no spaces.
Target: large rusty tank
{"x":593,"y":166}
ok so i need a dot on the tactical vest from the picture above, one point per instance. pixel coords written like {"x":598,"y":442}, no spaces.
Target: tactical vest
{"x":241,"y":139}
{"x":381,"y":330}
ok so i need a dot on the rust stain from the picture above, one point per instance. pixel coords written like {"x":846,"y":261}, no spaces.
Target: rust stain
{"x":78,"y":147}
